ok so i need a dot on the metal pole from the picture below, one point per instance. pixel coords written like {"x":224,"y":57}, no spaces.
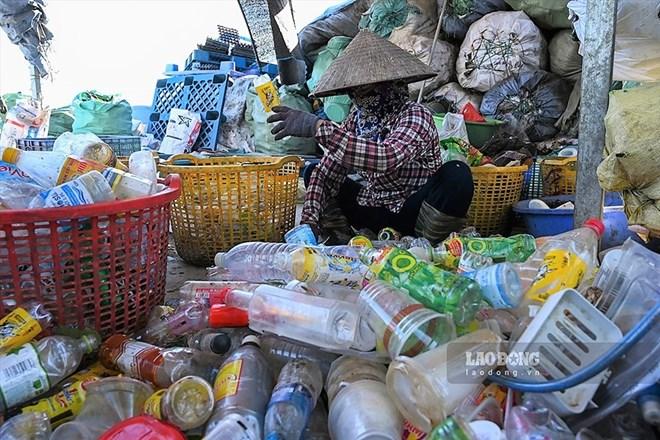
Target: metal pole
{"x":597,"y":64}
{"x":435,"y":41}
{"x":35,"y":81}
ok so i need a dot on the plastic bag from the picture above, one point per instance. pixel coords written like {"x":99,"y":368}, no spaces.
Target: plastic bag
{"x":17,"y":189}
{"x":532,"y":101}
{"x":453,"y":126}
{"x":422,"y":20}
{"x":101,"y":114}
{"x":454,"y":97}
{"x":24,"y":120}
{"x":337,"y":107}
{"x":444,"y":60}
{"x":235,"y":133}
{"x":549,"y":14}
{"x":565,"y":60}
{"x":497,"y":46}
{"x":461,"y":14}
{"x":183,"y":128}
{"x":264,"y":140}
{"x":637,"y":41}
{"x":457,"y":149}
{"x":385,"y":15}
{"x":61,"y":121}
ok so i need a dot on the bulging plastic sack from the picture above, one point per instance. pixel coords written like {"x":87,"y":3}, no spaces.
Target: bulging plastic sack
{"x":499,"y":45}
{"x":565,"y":60}
{"x":637,"y":45}
{"x":549,"y":14}
{"x":462,"y":13}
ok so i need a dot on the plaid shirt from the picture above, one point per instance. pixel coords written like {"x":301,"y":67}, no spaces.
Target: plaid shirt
{"x":394,"y":168}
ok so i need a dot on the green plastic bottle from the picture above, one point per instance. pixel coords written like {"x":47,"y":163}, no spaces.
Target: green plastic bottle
{"x":435,"y":288}
{"x":514,"y":249}
{"x":452,"y":428}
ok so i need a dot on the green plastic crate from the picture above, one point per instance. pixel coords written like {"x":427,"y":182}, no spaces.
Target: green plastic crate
{"x":478,"y":132}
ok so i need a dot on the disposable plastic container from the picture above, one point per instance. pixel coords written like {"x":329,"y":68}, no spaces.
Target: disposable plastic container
{"x":346,"y":370}
{"x":143,"y":428}
{"x":428,"y":387}
{"x":403,"y":325}
{"x":364,"y":411}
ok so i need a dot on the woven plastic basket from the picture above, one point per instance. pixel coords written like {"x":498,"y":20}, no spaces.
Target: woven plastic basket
{"x":101,"y":266}
{"x":496,"y":190}
{"x":559,"y":176}
{"x":229,"y":200}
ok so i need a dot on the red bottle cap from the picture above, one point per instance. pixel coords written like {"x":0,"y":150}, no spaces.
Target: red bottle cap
{"x":224,"y":316}
{"x":142,"y":428}
{"x":219,"y":297}
{"x":596,"y":225}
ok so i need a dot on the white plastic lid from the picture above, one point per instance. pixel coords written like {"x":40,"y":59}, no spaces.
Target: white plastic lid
{"x":485,"y":430}
{"x":251,"y":339}
{"x":220,"y":259}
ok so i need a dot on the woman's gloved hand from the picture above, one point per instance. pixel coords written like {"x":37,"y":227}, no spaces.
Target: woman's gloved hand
{"x":293,"y":123}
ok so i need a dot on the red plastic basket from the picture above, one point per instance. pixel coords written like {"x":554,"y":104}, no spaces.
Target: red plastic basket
{"x":101,"y":266}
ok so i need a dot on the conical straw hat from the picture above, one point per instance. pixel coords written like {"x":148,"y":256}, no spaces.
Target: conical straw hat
{"x":370,"y":59}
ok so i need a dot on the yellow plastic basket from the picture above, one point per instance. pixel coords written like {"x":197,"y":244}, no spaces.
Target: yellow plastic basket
{"x":559,"y":176}
{"x":229,"y":200}
{"x":496,"y":190}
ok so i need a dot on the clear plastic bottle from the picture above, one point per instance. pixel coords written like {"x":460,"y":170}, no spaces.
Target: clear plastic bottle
{"x":435,"y":288}
{"x":23,"y":324}
{"x":298,"y":388}
{"x":89,"y":188}
{"x":242,"y":390}
{"x":162,"y":367}
{"x":30,"y":426}
{"x":188,"y":318}
{"x":32,"y":369}
{"x":514,"y":249}
{"x":49,"y":169}
{"x":187,"y":403}
{"x":142,"y":164}
{"x":282,"y":262}
{"x":280,"y":351}
{"x":217,"y":341}
{"x":561,"y":262}
{"x":318,"y":321}
{"x":347,"y":370}
{"x":205,"y":291}
{"x":500,"y":285}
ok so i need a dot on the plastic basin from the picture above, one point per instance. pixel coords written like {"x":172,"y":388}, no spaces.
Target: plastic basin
{"x":478,"y":132}
{"x":545,"y":222}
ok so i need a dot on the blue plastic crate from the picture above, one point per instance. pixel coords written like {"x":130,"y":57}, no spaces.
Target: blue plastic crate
{"x":121,"y":145}
{"x":203,"y":94}
{"x":205,"y":60}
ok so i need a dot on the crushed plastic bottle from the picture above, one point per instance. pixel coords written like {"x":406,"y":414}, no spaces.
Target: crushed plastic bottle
{"x":298,"y":388}
{"x":562,"y":262}
{"x":242,"y":390}
{"x":29,"y":370}
{"x":435,"y":288}
{"x":280,"y":351}
{"x":23,"y":324}
{"x":86,"y":189}
{"x":186,"y":404}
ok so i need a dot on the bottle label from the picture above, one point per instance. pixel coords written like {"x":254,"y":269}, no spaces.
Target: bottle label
{"x":411,"y":432}
{"x":74,"y":167}
{"x":316,"y":267}
{"x":113,"y":176}
{"x":492,"y":288}
{"x":294,"y":394}
{"x":153,"y":404}
{"x":18,"y":328}
{"x":561,"y":269}
{"x":22,"y":377}
{"x":139,"y":360}
{"x":235,"y":427}
{"x":64,"y":405}
{"x":72,"y":193}
{"x":228,"y":380}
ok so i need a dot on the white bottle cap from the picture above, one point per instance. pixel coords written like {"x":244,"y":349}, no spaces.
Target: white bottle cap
{"x":220,"y":259}
{"x":251,"y":339}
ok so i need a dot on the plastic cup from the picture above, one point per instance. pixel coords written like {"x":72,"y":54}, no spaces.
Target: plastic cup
{"x":402,"y":325}
{"x":346,"y":370}
{"x":363,"y":410}
{"x":430,"y":386}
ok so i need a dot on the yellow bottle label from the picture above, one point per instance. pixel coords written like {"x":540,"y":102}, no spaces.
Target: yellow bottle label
{"x":65,"y":405}
{"x":18,"y":328}
{"x":229,"y":377}
{"x":311,"y":266}
{"x":153,"y":404}
{"x":268,"y":95}
{"x":561,"y":269}
{"x":74,"y":167}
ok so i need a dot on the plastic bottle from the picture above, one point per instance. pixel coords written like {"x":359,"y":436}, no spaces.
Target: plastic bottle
{"x":435,"y":288}
{"x":50,"y":169}
{"x":514,"y":249}
{"x":216,"y":341}
{"x":402,"y":325}
{"x":347,"y":370}
{"x":89,"y":188}
{"x":242,"y":390}
{"x":23,"y":324}
{"x":430,"y":386}
{"x":298,"y":388}
{"x":186,"y":404}
{"x":317,"y":429}
{"x":452,"y":428}
{"x":318,"y":321}
{"x":142,"y":164}
{"x":500,"y":285}
{"x":205,"y":291}
{"x":162,"y":367}
{"x":282,"y":262}
{"x":32,"y":369}
{"x":279,"y":351}
{"x":562,"y":262}
{"x":325,"y":290}
{"x":188,"y":318}
{"x":31,"y":426}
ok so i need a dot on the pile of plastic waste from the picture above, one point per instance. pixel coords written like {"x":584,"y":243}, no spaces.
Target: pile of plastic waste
{"x":80,"y":170}
{"x":388,"y":339}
